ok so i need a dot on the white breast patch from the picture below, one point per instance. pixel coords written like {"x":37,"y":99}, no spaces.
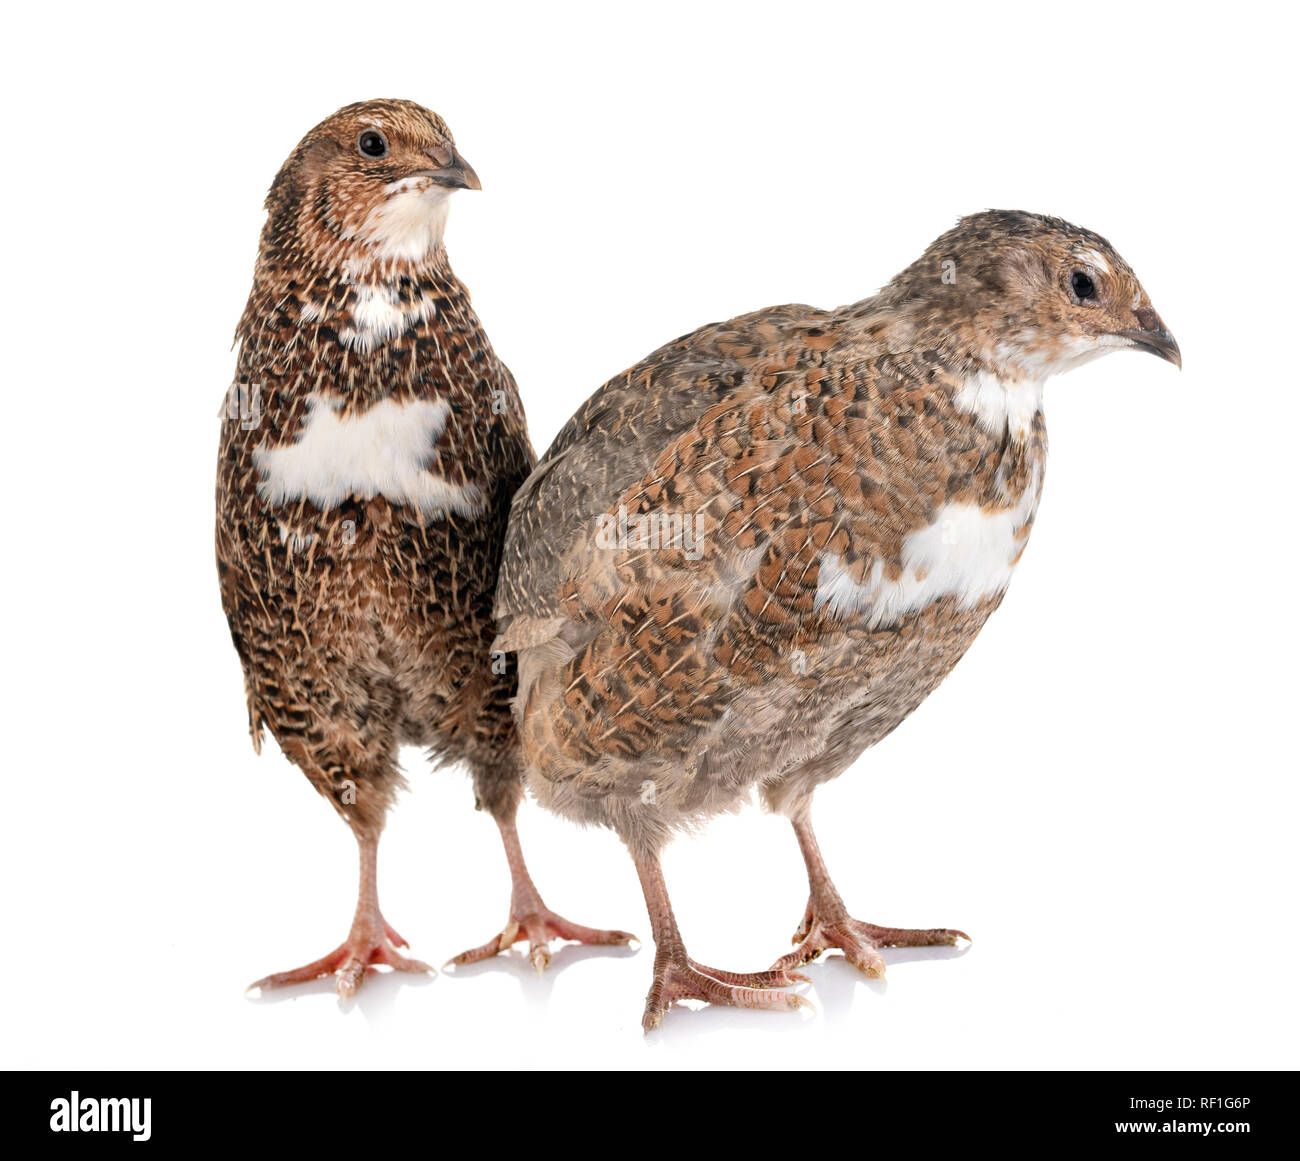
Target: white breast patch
{"x":382,"y":452}
{"x":1001,"y":404}
{"x":968,"y":552}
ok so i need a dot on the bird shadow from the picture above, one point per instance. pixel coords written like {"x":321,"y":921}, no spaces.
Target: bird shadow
{"x":375,"y":998}
{"x":682,"y":1024}
{"x":837,"y":983}
{"x":537,"y":986}
{"x":833,"y":987}
{"x":894,"y":955}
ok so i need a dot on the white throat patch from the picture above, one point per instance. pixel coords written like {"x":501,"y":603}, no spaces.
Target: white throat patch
{"x":385,"y":452}
{"x":409,"y":223}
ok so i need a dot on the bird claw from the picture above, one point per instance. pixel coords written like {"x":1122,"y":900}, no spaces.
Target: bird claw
{"x":860,"y":942}
{"x":687,"y":980}
{"x":349,"y":963}
{"x":539,"y":926}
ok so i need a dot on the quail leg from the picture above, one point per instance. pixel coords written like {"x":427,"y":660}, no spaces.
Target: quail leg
{"x":530,"y":918}
{"x":827,"y":923}
{"x":371,"y":941}
{"x":678,"y":977}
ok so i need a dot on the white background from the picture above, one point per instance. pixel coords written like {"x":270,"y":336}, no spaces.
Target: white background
{"x":1103,"y":793}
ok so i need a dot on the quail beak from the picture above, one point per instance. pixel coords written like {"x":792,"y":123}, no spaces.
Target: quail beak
{"x":452,"y":171}
{"x":1152,"y":335}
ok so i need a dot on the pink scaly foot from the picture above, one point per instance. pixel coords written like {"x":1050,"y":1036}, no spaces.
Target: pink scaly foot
{"x":530,"y":918}
{"x":348,"y":962}
{"x":827,"y":923}
{"x":860,"y":942}
{"x":538,"y":924}
{"x":678,"y":977}
{"x":370,"y":942}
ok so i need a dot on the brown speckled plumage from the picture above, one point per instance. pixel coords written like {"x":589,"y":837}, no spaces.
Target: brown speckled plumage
{"x":819,"y":454}
{"x":359,"y":590}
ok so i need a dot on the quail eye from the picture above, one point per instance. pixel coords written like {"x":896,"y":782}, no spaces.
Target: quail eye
{"x":1082,"y":285}
{"x":372,"y":143}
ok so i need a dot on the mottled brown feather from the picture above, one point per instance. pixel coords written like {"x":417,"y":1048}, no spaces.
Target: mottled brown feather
{"x":656,"y":689}
{"x":366,"y":625}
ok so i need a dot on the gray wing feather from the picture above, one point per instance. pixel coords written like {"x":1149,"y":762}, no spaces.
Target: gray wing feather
{"x":609,"y":444}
